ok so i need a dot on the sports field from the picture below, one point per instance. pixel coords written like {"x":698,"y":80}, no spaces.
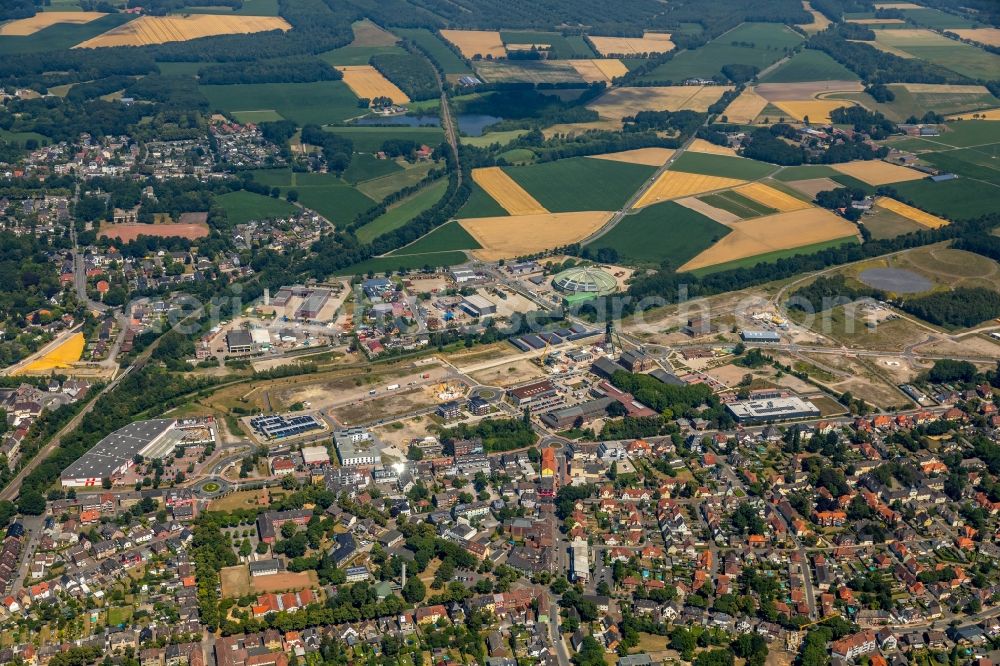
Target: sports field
{"x":129,"y":232}
{"x":745,"y":108}
{"x":648,"y":156}
{"x":580,"y":183}
{"x":649,"y":43}
{"x":402,"y":212}
{"x":147,"y":30}
{"x":242,"y":206}
{"x":29,"y":26}
{"x":476,"y":42}
{"x":758,"y":44}
{"x":508,"y":237}
{"x":619,"y":103}
{"x":666,"y":231}
{"x":63,"y":356}
{"x":676,"y":184}
{"x":506,"y":192}
{"x":877,"y":172}
{"x":783,"y":231}
{"x":909,"y":212}
{"x":962,"y":58}
{"x":366,"y":81}
{"x":320,"y":103}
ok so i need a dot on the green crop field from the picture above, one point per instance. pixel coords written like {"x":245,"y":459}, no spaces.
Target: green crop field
{"x":758,"y":44}
{"x":976,"y":163}
{"x":61,"y":35}
{"x":357,"y":55}
{"x":414,"y":262}
{"x":331,"y":197}
{"x":365,"y":167}
{"x":806,"y":172}
{"x":20,"y":138}
{"x":446,"y":238}
{"x":737,"y":204}
{"x":935,"y":18}
{"x":490,"y":138}
{"x":809,"y":65}
{"x":907,"y":104}
{"x":402,"y":212}
{"x":321,"y":102}
{"x":256,"y":116}
{"x":480,"y":204}
{"x":666,"y":231}
{"x":380,"y":188}
{"x":721,"y":165}
{"x":369,"y":138}
{"x":852,"y":182}
{"x":439,"y":52}
{"x":561,"y":47}
{"x":242,"y":206}
{"x":771,"y":257}
{"x":581,"y":183}
{"x":966,"y":133}
{"x":531,"y":71}
{"x":967,"y":60}
{"x":959,"y":199}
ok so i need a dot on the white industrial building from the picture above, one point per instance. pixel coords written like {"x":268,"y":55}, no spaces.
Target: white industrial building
{"x":579,"y":567}
{"x":772,"y":409}
{"x":115,"y":454}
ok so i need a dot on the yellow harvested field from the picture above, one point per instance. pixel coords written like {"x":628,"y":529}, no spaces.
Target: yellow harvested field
{"x":945,"y":89}
{"x":63,"y":356}
{"x":819,"y":23}
{"x":771,"y":197}
{"x":745,"y":108}
{"x":817,"y":110}
{"x":476,"y":42}
{"x":507,"y":237}
{"x":147,"y":30}
{"x":650,"y":42}
{"x":599,"y":70}
{"x":877,"y":172}
{"x":648,"y":156}
{"x":877,"y":21}
{"x":366,"y":81}
{"x":805,"y":90}
{"x":911,"y":213}
{"x":527,"y":47}
{"x":782,"y":231}
{"x":988,"y":36}
{"x":702,"y":146}
{"x":988,"y":114}
{"x":506,"y":192}
{"x":677,"y":184}
{"x":711,"y":212}
{"x":619,"y":103}
{"x":41,"y":20}
{"x":573,"y":129}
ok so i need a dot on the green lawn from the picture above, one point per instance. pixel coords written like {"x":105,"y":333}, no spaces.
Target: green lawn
{"x":666,"y":231}
{"x":365,"y":167}
{"x":964,"y":59}
{"x":561,"y":46}
{"x":439,"y":52}
{"x":357,"y":55}
{"x":758,"y":44}
{"x":321,"y":102}
{"x":480,"y":204}
{"x":810,"y":65}
{"x":774,"y":256}
{"x":404,"y":211}
{"x":721,"y":165}
{"x":407,"y":262}
{"x":242,"y":206}
{"x":61,"y":35}
{"x":256,"y":116}
{"x":20,"y":137}
{"x":581,"y":183}
{"x":804,"y":172}
{"x":446,"y":238}
{"x":118,"y":616}
{"x":369,"y":138}
{"x":331,"y":197}
{"x":959,"y":199}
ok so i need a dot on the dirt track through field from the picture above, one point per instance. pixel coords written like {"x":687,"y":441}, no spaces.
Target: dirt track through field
{"x":506,"y":192}
{"x":148,"y":30}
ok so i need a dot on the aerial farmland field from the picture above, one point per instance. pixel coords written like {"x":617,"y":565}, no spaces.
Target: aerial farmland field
{"x":320,"y":103}
{"x":571,"y":184}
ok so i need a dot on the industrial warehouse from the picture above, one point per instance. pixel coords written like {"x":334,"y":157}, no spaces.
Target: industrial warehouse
{"x":115,"y":454}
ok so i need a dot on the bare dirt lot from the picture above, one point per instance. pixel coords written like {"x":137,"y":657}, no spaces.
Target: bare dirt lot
{"x":388,"y":405}
{"x":129,"y":232}
{"x":508,"y":374}
{"x":814,"y":186}
{"x":286,"y":581}
{"x":235,"y":581}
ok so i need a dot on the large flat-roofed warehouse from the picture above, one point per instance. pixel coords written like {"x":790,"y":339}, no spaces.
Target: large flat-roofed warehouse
{"x":113,"y":456}
{"x":773,"y":409}
{"x":477,"y":306}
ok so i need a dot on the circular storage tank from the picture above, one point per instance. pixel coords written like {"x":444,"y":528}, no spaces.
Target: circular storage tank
{"x":585,"y":280}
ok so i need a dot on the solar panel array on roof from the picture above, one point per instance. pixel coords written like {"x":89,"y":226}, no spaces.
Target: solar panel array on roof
{"x":280,"y":427}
